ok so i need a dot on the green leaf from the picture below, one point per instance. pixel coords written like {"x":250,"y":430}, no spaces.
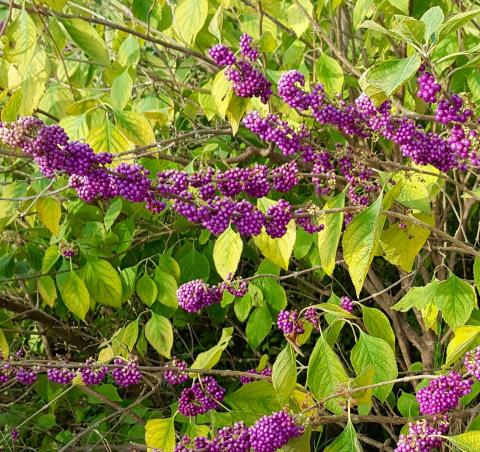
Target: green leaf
{"x":136,"y":127}
{"x":146,"y":289}
{"x":128,"y":335}
{"x":242,"y":306}
{"x":330,"y":74}
{"x":375,"y":352}
{"x":74,"y":294}
{"x":326,"y":375}
{"x":75,"y":126}
{"x":392,"y":74}
{"x":407,"y":405}
{"x":402,"y":5}
{"x":329,"y":238}
{"x":457,"y":21}
{"x":417,"y":297}
{"x":169,"y":265}
{"x":346,"y":442}
{"x":167,"y":288}
{"x":412,"y":29}
{"x":208,"y":359}
{"x":49,"y":212}
{"x":22,"y":38}
{"x":159,"y":334}
{"x":129,"y":51}
{"x":121,"y":90}
{"x":160,"y":434}
{"x":456,"y":299}
{"x":334,"y":310}
{"x":360,"y":241}
{"x":297,"y":19}
{"x":227,"y":252}
{"x":103,"y":282}
{"x":4,"y":348}
{"x":190,"y":15}
{"x":87,"y":39}
{"x":50,"y":257}
{"x":194,"y":266}
{"x":258,"y":326}
{"x":465,"y":338}
{"x":47,"y":289}
{"x":476,"y":272}
{"x":378,"y":325}
{"x":273,"y":293}
{"x":216,"y":24}
{"x":301,"y":443}
{"x":12,"y":107}
{"x":433,"y":19}
{"x":112,"y":213}
{"x":107,"y":138}
{"x":360,"y":11}
{"x":257,"y":397}
{"x":284,"y":374}
{"x":466,"y":442}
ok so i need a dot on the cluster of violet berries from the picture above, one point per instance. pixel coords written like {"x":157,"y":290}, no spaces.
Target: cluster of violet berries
{"x":422,"y":435}
{"x":288,"y":322}
{"x":428,"y":88}
{"x":472,"y":362}
{"x":268,"y":434}
{"x":196,"y":294}
{"x":267,"y":372}
{"x":176,"y":374}
{"x":201,"y":397}
{"x":247,"y":80}
{"x":128,"y":374}
{"x":346,"y":303}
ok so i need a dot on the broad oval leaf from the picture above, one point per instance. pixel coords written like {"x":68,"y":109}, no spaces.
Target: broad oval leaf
{"x":74,"y":294}
{"x":47,"y":289}
{"x":330,"y":74}
{"x":49,"y":212}
{"x":146,"y":289}
{"x":160,"y":434}
{"x":346,"y":442}
{"x":284,"y":374}
{"x":190,"y":15}
{"x":257,"y":397}
{"x":135,"y":127}
{"x":378,"y":325}
{"x":159,"y":334}
{"x":227,"y":252}
{"x":103,"y":282}
{"x":465,"y":337}
{"x":466,"y":442}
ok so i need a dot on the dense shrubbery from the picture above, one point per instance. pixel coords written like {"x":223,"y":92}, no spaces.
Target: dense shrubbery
{"x":232,"y":226}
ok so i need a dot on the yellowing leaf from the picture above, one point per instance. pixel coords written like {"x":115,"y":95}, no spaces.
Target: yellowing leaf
{"x":47,"y":289}
{"x":135,"y":127}
{"x":121,"y":90}
{"x":190,"y":15}
{"x":160,"y":434}
{"x":107,"y":138}
{"x":103,"y":282}
{"x":222,"y":93}
{"x":227,"y":252}
{"x":49,"y":212}
{"x":465,"y":338}
{"x":4,"y":348}
{"x":106,"y":355}
{"x":466,"y":442}
{"x":330,"y":236}
{"x":208,"y":359}
{"x":297,"y":19}
{"x":159,"y":333}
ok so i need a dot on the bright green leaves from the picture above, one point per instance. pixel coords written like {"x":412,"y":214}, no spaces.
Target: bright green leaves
{"x":147,"y":289}
{"x":208,"y":359}
{"x":257,"y":397}
{"x":284,"y":374}
{"x":360,"y":11}
{"x":227,"y":252}
{"x":258,"y":326}
{"x":377,"y":325}
{"x":466,"y":442}
{"x":433,"y":19}
{"x":47,"y":289}
{"x":87,"y":39}
{"x":160,"y":434}
{"x":159,"y":333}
{"x":360,"y":242}
{"x":121,"y":90}
{"x":107,"y":138}
{"x":326,"y":375}
{"x":346,"y":442}
{"x":167,"y":288}
{"x":297,"y":19}
{"x":456,"y":299}
{"x":329,"y":238}
{"x":417,"y":297}
{"x":330,"y":74}
{"x":476,"y":272}
{"x":457,"y":21}
{"x":374,"y":352}
{"x":103,"y":282}
{"x":49,"y":212}
{"x":390,"y":75}
{"x":74,"y":293}
{"x":190,"y":15}
{"x":22,"y":38}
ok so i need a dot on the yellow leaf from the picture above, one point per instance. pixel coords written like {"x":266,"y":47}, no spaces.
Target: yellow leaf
{"x":49,"y":211}
{"x":47,"y":289}
{"x":105,"y":355}
{"x":227,"y":252}
{"x":4,"y":345}
{"x":135,"y":127}
{"x":466,"y":337}
{"x":160,"y":434}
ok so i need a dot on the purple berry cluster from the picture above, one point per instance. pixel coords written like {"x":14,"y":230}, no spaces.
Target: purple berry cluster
{"x":201,"y":397}
{"x":270,"y":433}
{"x":222,"y":55}
{"x":472,"y":362}
{"x":346,"y":303}
{"x":176,"y":374}
{"x":311,"y":315}
{"x":94,"y":373}
{"x":451,"y":110}
{"x":26,"y":376}
{"x":289,"y":323}
{"x":128,"y":374}
{"x":427,"y":87}
{"x":422,"y":436}
{"x":67,"y":249}
{"x":443,"y":393}
{"x":61,"y":376}
{"x":267,"y":372}
{"x":246,"y":48}
{"x":196,"y":295}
